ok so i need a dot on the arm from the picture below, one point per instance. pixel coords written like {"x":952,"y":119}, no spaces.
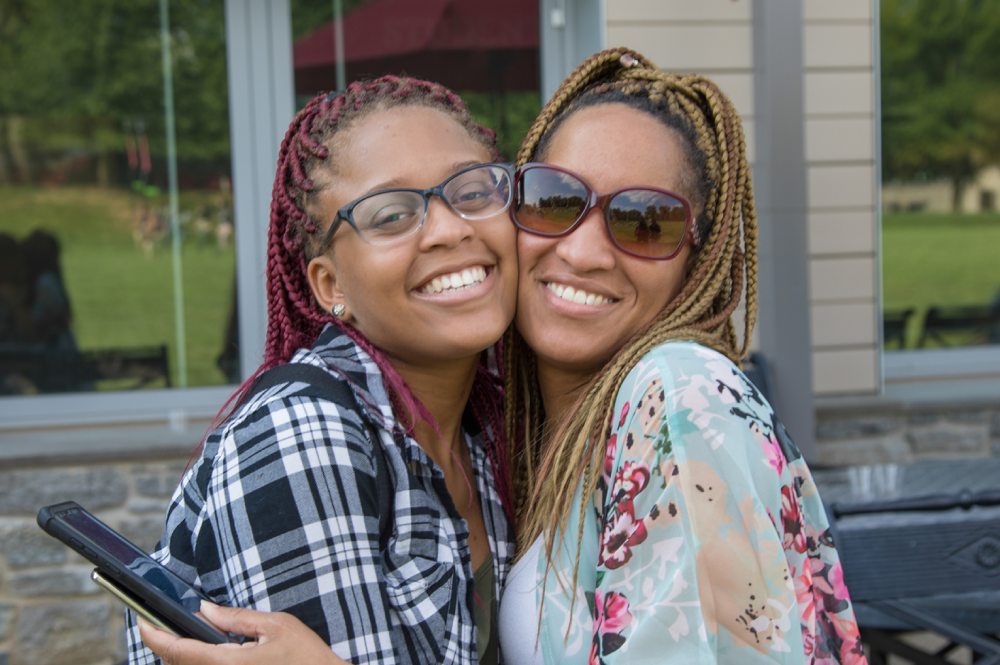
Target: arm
{"x":692,"y":564}
{"x":280,"y":638}
{"x":289,"y":523}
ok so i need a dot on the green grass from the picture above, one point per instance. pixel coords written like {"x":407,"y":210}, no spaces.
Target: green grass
{"x":122,"y":297}
{"x":939,"y":259}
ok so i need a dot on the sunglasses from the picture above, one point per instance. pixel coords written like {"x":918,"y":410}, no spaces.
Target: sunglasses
{"x":473,"y":193}
{"x":646,"y":222}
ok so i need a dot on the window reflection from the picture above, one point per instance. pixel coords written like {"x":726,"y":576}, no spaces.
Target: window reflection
{"x":941,"y":174}
{"x":88,"y":248}
{"x":485,"y":51}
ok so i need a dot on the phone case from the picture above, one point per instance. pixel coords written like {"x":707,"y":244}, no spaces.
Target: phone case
{"x":126,"y":566}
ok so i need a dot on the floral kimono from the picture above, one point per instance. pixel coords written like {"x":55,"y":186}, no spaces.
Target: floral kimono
{"x":706,"y":540}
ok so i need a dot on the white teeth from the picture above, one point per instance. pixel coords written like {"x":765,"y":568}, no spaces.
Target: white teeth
{"x":577,"y":296}
{"x":455,"y":280}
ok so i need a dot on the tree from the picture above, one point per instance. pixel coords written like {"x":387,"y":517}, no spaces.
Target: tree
{"x":940,"y":89}
{"x":75,"y":75}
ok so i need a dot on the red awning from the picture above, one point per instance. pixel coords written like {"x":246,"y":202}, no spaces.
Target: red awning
{"x":465,"y":44}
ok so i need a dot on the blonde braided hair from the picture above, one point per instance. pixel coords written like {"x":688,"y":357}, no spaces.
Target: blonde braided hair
{"x":723,"y":274}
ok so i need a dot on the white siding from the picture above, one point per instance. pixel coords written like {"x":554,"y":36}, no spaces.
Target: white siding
{"x":840,"y":135}
{"x":715,"y":37}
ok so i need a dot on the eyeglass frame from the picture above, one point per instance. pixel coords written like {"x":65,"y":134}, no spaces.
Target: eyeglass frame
{"x":346,"y":212}
{"x":601,"y":201}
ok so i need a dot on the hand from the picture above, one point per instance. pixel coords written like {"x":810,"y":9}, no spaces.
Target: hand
{"x":280,"y":638}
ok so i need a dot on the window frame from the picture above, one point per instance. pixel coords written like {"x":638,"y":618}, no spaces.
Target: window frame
{"x":922,"y":374}
{"x":261,"y":103}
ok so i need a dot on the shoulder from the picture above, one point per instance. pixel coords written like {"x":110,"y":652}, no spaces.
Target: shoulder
{"x":676,"y":371}
{"x":293,"y":416}
{"x":691,"y":390}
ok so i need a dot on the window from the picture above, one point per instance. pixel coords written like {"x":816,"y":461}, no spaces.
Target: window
{"x":940,"y":85}
{"x":117,"y":261}
{"x":487,"y":52}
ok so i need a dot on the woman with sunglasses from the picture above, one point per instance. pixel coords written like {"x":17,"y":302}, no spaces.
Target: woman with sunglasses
{"x":663,"y":513}
{"x":369,"y":501}
{"x":664,"y":516}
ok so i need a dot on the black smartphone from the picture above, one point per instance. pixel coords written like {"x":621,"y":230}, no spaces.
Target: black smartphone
{"x":139,"y":579}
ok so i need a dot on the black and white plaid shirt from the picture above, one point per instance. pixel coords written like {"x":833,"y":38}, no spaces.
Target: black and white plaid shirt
{"x":281,"y":513}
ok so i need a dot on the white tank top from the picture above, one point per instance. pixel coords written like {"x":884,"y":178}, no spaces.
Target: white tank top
{"x":519,"y":610}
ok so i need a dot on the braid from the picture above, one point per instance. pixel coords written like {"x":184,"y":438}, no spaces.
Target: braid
{"x":723,"y":276}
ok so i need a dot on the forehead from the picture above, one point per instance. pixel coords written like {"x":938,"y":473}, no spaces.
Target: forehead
{"x":615,"y":146}
{"x":403,"y":146}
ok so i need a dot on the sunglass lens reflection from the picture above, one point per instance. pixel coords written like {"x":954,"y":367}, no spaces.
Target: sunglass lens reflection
{"x":549,"y":201}
{"x":647,"y":222}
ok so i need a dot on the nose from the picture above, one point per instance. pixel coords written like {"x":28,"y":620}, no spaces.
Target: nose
{"x":443,"y":227}
{"x":588,"y":247}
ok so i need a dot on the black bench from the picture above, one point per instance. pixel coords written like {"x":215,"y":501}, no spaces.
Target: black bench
{"x":68,"y":370}
{"x":894,"y":324}
{"x":981,"y":321}
{"x":924,"y":557}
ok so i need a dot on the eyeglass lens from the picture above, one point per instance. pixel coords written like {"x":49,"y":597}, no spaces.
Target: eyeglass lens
{"x":645,"y":222}
{"x":474,"y":193}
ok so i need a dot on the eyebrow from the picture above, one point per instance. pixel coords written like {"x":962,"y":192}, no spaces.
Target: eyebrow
{"x":397,"y":183}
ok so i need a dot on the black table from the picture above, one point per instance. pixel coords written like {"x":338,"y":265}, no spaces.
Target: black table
{"x":920,"y":547}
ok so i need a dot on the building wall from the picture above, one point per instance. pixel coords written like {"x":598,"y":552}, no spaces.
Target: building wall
{"x":50,"y":610}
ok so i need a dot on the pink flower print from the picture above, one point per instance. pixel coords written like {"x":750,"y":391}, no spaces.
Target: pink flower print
{"x":631,"y":479}
{"x":791,"y":520}
{"x":772,"y":453}
{"x":612,"y":618}
{"x":836,"y":579}
{"x":624,"y":414}
{"x":621,"y":534}
{"x":806,"y":600}
{"x":609,"y":454}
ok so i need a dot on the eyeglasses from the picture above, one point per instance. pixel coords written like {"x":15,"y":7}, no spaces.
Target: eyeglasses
{"x":646,"y":222}
{"x":475,"y":192}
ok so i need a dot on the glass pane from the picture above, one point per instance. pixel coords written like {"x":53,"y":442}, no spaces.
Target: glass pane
{"x":487,"y":52}
{"x":116,"y":221}
{"x":941,"y":173}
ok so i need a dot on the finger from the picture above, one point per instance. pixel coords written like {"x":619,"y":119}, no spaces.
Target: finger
{"x":174,"y":650}
{"x":238,"y":620}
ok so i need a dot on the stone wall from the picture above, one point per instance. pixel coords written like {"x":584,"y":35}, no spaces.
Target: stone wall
{"x":876,"y":431}
{"x":51,"y":613}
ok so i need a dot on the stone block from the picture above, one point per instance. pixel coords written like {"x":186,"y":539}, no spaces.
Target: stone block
{"x":882,"y":450}
{"x":149,"y":506}
{"x":7,"y":614}
{"x":29,"y":546}
{"x":857,"y":427}
{"x":59,"y":633}
{"x":23,"y":492}
{"x":159,"y":481}
{"x":67,"y":581}
{"x":143,"y":532}
{"x":954,"y":441}
{"x":969,"y":416}
{"x":922,"y":418}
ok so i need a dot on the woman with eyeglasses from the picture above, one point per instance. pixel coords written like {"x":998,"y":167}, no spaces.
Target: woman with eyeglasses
{"x":359,"y":483}
{"x":664,"y":516}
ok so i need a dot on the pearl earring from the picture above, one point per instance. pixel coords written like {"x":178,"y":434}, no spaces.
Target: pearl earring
{"x":338,"y":310}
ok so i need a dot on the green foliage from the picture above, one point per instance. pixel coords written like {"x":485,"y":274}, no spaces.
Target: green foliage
{"x":82,"y":74}
{"x":940,"y":88}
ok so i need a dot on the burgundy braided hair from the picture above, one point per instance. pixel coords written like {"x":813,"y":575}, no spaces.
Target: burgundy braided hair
{"x":294,"y":319}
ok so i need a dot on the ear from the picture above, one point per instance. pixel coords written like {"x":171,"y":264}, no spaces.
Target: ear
{"x":322,"y":275}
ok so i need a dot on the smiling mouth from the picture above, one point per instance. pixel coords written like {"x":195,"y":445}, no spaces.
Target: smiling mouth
{"x":455,"y":281}
{"x":577,"y":296}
